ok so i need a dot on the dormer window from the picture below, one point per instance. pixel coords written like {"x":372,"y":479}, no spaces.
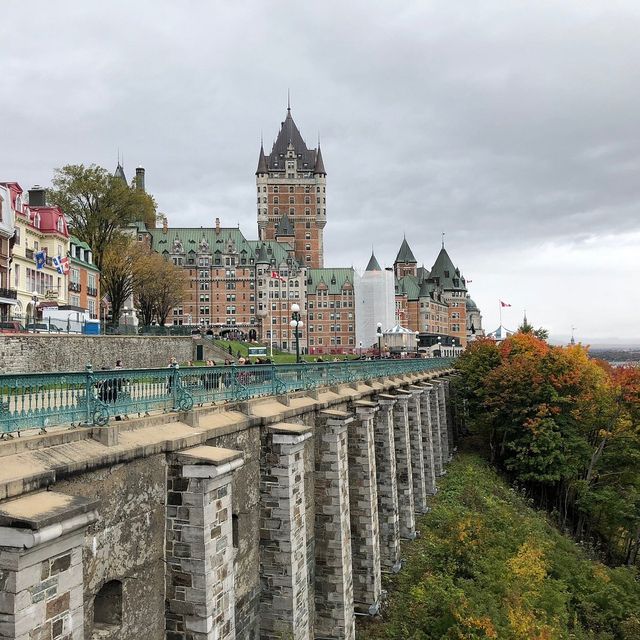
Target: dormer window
{"x":60,"y":225}
{"x":36,"y":220}
{"x":446,"y":274}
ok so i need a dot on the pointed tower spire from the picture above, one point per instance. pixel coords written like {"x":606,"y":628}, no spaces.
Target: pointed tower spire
{"x":262,"y":161}
{"x":373,"y":265}
{"x":319,"y":167}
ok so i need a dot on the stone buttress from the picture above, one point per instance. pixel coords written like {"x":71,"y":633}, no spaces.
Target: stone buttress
{"x":335,"y":616}
{"x":442,"y":412}
{"x":363,"y":499}
{"x":438,"y":461}
{"x":402,"y":441}
{"x":387,"y":484}
{"x":200,"y":582}
{"x":284,"y":597}
{"x":428,"y":445}
{"x":417,"y":450}
{"x":41,"y":572}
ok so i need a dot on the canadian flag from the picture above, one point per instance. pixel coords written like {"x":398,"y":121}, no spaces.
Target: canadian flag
{"x":504,"y":304}
{"x":277,"y":276}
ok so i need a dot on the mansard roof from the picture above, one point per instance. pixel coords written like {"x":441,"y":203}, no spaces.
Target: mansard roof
{"x":405,"y":255}
{"x":373,"y":265}
{"x":446,"y":274}
{"x":336,"y":279}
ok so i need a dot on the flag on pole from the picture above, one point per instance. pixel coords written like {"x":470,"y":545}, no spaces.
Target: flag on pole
{"x":40,"y":258}
{"x":504,"y":304}
{"x":277,"y":276}
{"x":61,"y":265}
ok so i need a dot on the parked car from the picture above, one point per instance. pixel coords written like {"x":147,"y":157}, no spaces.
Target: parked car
{"x":41,"y":327}
{"x":11,"y":326}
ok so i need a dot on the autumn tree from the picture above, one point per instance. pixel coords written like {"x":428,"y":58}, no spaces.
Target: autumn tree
{"x":120,"y":276}
{"x":99,"y":206}
{"x":160,"y":286}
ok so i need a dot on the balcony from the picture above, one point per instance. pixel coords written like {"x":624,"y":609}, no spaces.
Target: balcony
{"x":11,"y":294}
{"x":29,"y":254}
{"x":75,"y":286}
{"x":92,"y":291}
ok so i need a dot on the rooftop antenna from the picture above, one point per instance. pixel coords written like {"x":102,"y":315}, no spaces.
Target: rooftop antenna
{"x":573,"y":340}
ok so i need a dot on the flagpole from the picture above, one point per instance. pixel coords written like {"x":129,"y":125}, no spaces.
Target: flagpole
{"x":500,"y":307}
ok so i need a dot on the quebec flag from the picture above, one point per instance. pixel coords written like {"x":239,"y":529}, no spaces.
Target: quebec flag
{"x":41,"y":259}
{"x":61,"y":265}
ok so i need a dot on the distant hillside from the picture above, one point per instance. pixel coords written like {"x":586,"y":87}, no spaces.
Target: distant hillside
{"x":616,"y":355}
{"x":488,"y":566}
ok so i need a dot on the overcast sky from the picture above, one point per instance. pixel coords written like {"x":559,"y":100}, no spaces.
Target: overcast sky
{"x":513,"y":127}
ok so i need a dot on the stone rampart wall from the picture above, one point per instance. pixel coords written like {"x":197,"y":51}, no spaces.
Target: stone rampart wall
{"x":51,"y":353}
{"x":272,"y":518}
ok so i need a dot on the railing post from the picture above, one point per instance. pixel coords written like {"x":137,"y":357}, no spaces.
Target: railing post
{"x":89,"y":392}
{"x":174,"y":385}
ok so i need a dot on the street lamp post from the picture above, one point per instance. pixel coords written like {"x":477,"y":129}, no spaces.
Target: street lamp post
{"x":34,"y":299}
{"x":453,"y":345}
{"x":296,"y":324}
{"x":361,"y":349}
{"x":439,"y":347}
{"x":379,"y":334}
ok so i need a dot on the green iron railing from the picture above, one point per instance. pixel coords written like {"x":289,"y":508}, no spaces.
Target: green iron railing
{"x":32,"y":401}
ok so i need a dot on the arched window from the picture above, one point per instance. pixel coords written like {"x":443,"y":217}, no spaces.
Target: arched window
{"x":291,"y":200}
{"x":107,"y":606}
{"x":276,"y":200}
{"x":36,"y":220}
{"x":60,"y":224}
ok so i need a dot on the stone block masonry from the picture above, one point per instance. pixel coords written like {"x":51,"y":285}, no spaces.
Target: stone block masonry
{"x":387,"y":484}
{"x":427,"y":439}
{"x":41,"y":577}
{"x":442,"y":414}
{"x":284,"y":597}
{"x":200,"y":582}
{"x":334,"y":578}
{"x":438,"y":460}
{"x":45,"y":353}
{"x":363,"y":505}
{"x":417,"y":451}
{"x":402,"y":441}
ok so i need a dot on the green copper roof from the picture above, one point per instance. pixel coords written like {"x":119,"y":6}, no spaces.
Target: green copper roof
{"x":446,"y":274}
{"x":79,"y":243}
{"x":408,"y":285}
{"x":373,"y":265}
{"x":335,"y":279}
{"x":199,"y":240}
{"x":405,"y":254}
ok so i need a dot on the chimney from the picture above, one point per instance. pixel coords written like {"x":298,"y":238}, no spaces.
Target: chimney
{"x":140,"y":178}
{"x":37,"y":196}
{"x":165,"y":226}
{"x":217,"y":226}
